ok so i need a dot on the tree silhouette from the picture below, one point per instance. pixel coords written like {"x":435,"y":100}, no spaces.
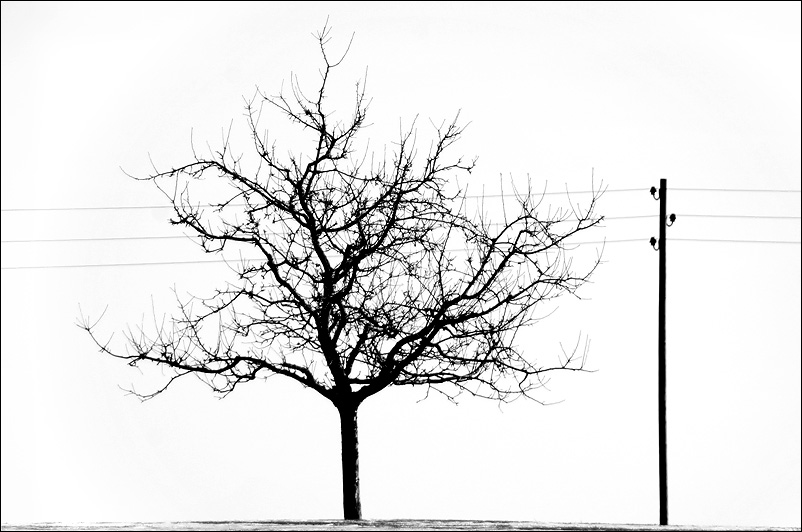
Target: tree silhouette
{"x":371,"y":272}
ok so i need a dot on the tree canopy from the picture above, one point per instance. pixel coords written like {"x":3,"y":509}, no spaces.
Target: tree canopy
{"x":372,"y":271}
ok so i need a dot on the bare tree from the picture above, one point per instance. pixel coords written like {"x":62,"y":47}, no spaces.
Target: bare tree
{"x":371,"y":272}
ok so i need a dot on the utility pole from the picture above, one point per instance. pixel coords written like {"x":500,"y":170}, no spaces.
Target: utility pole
{"x":661,"y":347}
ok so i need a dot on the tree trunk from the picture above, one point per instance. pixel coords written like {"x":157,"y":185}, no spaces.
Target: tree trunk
{"x":352,"y":505}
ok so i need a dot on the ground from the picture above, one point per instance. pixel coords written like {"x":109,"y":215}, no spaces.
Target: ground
{"x":335,"y":525}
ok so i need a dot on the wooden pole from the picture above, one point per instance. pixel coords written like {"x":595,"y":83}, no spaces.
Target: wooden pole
{"x":661,"y":357}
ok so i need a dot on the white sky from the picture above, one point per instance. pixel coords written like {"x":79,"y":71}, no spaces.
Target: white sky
{"x":705,"y":95}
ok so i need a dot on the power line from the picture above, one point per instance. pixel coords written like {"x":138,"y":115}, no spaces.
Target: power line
{"x":737,"y":241}
{"x":119,"y":264}
{"x":631,"y":217}
{"x":114,"y":208}
{"x":126,"y":238}
{"x":51,"y":240}
{"x":167,"y":263}
{"x":744,"y":216}
{"x":747,"y":216}
{"x":102,"y":239}
{"x":170,"y":263}
{"x":607,"y":191}
{"x":616,"y":241}
{"x":158,"y":237}
{"x":774,"y":191}
{"x":143,"y":207}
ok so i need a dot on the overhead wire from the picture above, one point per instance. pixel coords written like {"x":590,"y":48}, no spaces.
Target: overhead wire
{"x":168,"y":263}
{"x":736,"y":241}
{"x":99,"y":239}
{"x":611,"y":241}
{"x":758,"y":190}
{"x":175,"y":237}
{"x":510,"y":195}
